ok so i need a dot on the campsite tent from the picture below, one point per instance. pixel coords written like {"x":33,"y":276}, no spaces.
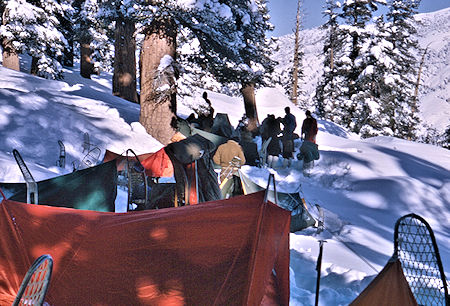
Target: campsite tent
{"x":388,"y":288}
{"x":156,"y":164}
{"x":229,"y":252}
{"x":300,"y":216}
{"x":93,"y":188}
{"x":187,"y":130}
{"x":414,"y":275}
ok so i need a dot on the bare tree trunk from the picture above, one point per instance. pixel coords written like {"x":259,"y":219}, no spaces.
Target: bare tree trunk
{"x":416,"y":89}
{"x":86,"y":65}
{"x":158,"y":110}
{"x":124,"y":78}
{"x":248,"y":91}
{"x":296,"y":57}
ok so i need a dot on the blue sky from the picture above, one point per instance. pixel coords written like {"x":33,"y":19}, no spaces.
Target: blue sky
{"x":283,"y":12}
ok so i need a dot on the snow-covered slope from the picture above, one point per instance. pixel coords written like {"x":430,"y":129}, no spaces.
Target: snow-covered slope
{"x":35,"y":113}
{"x":364,"y":186}
{"x":434,"y":36}
{"x":434,"y":92}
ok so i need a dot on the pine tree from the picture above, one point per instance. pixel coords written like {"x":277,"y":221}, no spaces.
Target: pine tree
{"x":327,"y":89}
{"x":296,"y":73}
{"x":121,"y":14}
{"x":400,"y":31}
{"x":32,"y":27}
{"x":253,"y":21}
{"x":352,"y":103}
{"x":227,"y":41}
{"x":93,"y":33}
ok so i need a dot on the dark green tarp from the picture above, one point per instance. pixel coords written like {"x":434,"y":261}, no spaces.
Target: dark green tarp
{"x":94,"y":188}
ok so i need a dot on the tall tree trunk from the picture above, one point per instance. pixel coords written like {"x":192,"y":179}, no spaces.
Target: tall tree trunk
{"x":10,"y":55}
{"x":34,"y":66}
{"x":158,"y":111}
{"x":124,"y":78}
{"x":416,"y":88}
{"x":86,"y":65}
{"x":296,"y":57}
{"x":248,"y":91}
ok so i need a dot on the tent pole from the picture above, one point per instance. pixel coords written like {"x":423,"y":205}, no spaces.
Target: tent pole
{"x":318,"y":268}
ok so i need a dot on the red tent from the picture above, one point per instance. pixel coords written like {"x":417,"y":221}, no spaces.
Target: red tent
{"x":388,"y":288}
{"x":228,"y":252}
{"x":156,"y":164}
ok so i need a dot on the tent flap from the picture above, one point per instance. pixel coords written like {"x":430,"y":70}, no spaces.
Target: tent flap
{"x":389,"y":287}
{"x":192,"y":255}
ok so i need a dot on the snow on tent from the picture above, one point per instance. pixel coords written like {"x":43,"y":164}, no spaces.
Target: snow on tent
{"x":301,"y":217}
{"x":93,"y":188}
{"x":414,"y":275}
{"x":227,"y":252}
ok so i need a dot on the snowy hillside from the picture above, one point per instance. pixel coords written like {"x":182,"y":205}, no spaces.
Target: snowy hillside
{"x":364,"y":186}
{"x":433,"y":34}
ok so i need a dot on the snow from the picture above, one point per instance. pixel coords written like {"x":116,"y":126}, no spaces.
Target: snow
{"x":433,"y":33}
{"x":364,"y":186}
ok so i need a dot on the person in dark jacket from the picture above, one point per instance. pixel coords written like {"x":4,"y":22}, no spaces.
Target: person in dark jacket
{"x":289,"y":125}
{"x":309,"y":150}
{"x":272,"y":129}
{"x":309,"y":128}
{"x":206,"y":114}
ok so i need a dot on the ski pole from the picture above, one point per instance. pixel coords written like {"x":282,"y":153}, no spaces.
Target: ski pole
{"x":318,"y":268}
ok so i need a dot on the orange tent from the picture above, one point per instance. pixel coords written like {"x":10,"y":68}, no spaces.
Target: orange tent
{"x":228,"y":252}
{"x":388,"y":288}
{"x":156,"y":164}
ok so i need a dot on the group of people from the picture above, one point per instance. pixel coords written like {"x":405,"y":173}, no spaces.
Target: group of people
{"x":279,"y":141}
{"x":270,"y":130}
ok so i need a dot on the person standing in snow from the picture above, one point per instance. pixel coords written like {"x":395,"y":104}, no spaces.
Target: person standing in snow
{"x":309,"y":128}
{"x":272,"y":128}
{"x":309,"y":150}
{"x":206,"y":114}
{"x":230,"y":157}
{"x":289,"y":125}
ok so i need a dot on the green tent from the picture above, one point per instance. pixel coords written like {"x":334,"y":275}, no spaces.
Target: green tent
{"x":300,"y":216}
{"x":94,"y":188}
